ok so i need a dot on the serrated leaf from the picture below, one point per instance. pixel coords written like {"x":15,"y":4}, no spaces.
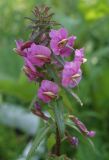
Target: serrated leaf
{"x":39,"y":137}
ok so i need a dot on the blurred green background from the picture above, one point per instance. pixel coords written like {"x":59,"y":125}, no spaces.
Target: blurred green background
{"x":89,"y":21}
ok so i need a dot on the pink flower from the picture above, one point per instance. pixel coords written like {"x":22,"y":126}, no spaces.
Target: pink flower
{"x":39,"y":55}
{"x":31,"y":71}
{"x":71,"y":74}
{"x":79,"y":55}
{"x":60,"y":42}
{"x":22,"y":47}
{"x":47,"y":91}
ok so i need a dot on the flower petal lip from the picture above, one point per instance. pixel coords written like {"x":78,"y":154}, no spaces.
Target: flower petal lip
{"x":62,"y":43}
{"x":76,"y":76}
{"x":71,"y":74}
{"x":31,"y":71}
{"x":49,"y":85}
{"x":42,"y":57}
{"x":50,"y":94}
{"x":39,"y":55}
{"x":47,"y":91}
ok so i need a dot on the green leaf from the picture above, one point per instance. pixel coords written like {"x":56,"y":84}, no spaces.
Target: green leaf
{"x":66,"y":99}
{"x":39,"y":137}
{"x":69,"y":90}
{"x":93,"y":146}
{"x":51,"y":141}
{"x":59,"y":116}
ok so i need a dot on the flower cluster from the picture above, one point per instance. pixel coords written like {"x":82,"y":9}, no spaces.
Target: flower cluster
{"x":37,"y":56}
{"x":51,"y":60}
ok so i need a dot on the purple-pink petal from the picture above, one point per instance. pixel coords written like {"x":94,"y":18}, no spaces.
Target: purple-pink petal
{"x":58,"y":34}
{"x":63,"y":33}
{"x":31,"y":71}
{"x":53,"y":33}
{"x":18,"y":50}
{"x":43,"y":97}
{"x":65,"y":52}
{"x":71,"y":69}
{"x":19,"y":43}
{"x":79,"y":55}
{"x":39,"y":55}
{"x":91,"y":133}
{"x":22,"y":47}
{"x":60,"y":42}
{"x":71,"y":40}
{"x":29,"y":64}
{"x":54,"y":46}
{"x":47,"y":87}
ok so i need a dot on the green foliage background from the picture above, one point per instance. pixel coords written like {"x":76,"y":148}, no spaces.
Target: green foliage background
{"x":89,"y":21}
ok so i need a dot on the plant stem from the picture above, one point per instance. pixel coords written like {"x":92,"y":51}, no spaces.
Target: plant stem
{"x":70,"y":47}
{"x":58,"y":142}
{"x":32,"y":102}
{"x":59,"y":59}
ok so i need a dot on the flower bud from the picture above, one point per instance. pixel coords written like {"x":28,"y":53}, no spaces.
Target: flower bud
{"x":37,"y":106}
{"x":74,"y":141}
{"x":91,"y":133}
{"x":82,"y":127}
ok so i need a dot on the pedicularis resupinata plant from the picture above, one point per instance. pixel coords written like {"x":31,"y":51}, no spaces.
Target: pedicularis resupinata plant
{"x":46,"y":57}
